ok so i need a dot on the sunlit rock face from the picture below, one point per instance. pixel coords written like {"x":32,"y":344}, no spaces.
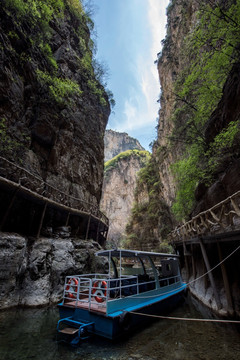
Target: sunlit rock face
{"x":116,"y":142}
{"x":118,"y":194}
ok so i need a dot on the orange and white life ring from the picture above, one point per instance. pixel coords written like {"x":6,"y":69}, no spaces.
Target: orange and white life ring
{"x":72,"y":288}
{"x":100,"y":290}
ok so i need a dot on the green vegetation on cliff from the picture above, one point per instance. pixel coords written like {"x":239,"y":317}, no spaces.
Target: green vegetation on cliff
{"x":150,"y":220}
{"x":34,"y":19}
{"x":49,"y":74}
{"x":143,"y":155}
{"x":212,"y":48}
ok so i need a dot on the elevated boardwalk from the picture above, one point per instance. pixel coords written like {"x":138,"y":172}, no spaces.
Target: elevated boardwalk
{"x":204,"y":242}
{"x":220,"y":221}
{"x":31,"y":206}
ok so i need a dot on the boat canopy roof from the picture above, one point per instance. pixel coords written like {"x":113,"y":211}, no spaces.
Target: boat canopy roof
{"x":132,"y":253}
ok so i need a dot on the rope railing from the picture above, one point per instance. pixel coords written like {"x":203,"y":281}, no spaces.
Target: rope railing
{"x":222,"y":217}
{"x":33,"y":182}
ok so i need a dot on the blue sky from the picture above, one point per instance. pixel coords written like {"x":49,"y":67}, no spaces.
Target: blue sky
{"x":129,"y":34}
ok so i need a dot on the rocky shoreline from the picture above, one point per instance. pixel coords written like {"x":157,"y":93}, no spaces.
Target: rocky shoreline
{"x":32,"y":270}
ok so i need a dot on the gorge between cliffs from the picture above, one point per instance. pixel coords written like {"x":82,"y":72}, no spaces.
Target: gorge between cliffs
{"x":69,"y":187}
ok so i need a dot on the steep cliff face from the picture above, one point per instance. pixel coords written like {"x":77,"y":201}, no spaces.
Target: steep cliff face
{"x":116,"y":142}
{"x":35,"y":275}
{"x":196,"y":118}
{"x":181,"y":19}
{"x":150,"y":218}
{"x":53,"y":114}
{"x":118,"y":190}
{"x":197,"y":150}
{"x":53,"y":109}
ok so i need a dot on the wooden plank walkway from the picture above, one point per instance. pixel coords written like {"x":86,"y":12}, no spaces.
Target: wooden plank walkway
{"x":19,"y":183}
{"x":221,"y":220}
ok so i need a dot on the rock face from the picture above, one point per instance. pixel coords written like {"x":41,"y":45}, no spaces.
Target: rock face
{"x":115,"y":143}
{"x":53,"y":114}
{"x":32,"y":272}
{"x":54,"y":110}
{"x":225,"y":176}
{"x":118,"y":191}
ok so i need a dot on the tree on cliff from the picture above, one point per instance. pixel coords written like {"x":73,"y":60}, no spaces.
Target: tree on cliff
{"x":212,"y":47}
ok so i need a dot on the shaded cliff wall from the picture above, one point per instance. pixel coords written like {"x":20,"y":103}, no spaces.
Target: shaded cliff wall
{"x":32,"y":271}
{"x":53,"y":114}
{"x":198,"y":133}
{"x":196,"y":154}
{"x":53,"y":109}
{"x":197,"y":147}
{"x":215,"y":136}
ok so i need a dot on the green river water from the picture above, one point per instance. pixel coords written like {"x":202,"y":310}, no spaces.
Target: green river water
{"x":31,"y":334}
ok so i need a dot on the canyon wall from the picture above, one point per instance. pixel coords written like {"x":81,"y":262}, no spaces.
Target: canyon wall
{"x":198,"y":138}
{"x":32,"y":271}
{"x":117,"y":142}
{"x":53,"y":115}
{"x":118,"y":191}
{"x":53,"y":109}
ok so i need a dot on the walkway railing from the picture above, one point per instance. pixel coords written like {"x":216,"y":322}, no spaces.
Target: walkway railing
{"x":19,"y":175}
{"x":222,"y":217}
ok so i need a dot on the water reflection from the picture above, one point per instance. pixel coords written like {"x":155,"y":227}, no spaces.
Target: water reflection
{"x":31,"y":334}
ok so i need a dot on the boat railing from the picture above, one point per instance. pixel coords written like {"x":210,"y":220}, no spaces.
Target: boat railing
{"x":94,"y":291}
{"x":100,"y":288}
{"x":166,"y":281}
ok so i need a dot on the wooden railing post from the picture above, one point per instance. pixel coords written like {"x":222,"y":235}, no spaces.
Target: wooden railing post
{"x":41,"y":220}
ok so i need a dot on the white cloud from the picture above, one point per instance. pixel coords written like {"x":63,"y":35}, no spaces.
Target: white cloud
{"x":140,"y":108}
{"x":157,"y":21}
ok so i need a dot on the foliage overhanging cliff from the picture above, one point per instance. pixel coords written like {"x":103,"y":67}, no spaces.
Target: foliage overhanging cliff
{"x":54,"y":107}
{"x":198,"y":129}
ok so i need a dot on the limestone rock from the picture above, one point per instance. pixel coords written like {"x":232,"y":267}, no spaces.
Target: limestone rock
{"x":60,"y":140}
{"x":117,"y":142}
{"x":32,"y":271}
{"x":118,"y":193}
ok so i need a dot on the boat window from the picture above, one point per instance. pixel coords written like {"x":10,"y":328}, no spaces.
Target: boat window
{"x":157,"y":263}
{"x":113,"y":268}
{"x":148,"y":268}
{"x":131,"y":266}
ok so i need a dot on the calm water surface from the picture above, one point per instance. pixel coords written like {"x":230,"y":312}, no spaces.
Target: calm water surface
{"x":31,"y":334}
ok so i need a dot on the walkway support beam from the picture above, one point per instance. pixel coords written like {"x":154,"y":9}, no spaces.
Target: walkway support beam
{"x":41,"y":220}
{"x":225,"y":281}
{"x":210,"y":275}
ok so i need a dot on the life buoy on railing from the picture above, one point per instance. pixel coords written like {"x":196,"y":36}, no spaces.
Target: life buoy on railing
{"x":71,"y":288}
{"x":99,"y":290}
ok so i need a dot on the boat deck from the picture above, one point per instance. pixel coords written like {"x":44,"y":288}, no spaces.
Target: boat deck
{"x":101,"y":308}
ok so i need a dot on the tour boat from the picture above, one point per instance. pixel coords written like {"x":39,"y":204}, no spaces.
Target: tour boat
{"x":136,"y":284}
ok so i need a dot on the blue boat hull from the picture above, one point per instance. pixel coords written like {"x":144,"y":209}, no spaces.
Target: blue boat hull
{"x":112,"y":327}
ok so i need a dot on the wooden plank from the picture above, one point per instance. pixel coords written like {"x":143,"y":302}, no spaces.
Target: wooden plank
{"x":69,"y":331}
